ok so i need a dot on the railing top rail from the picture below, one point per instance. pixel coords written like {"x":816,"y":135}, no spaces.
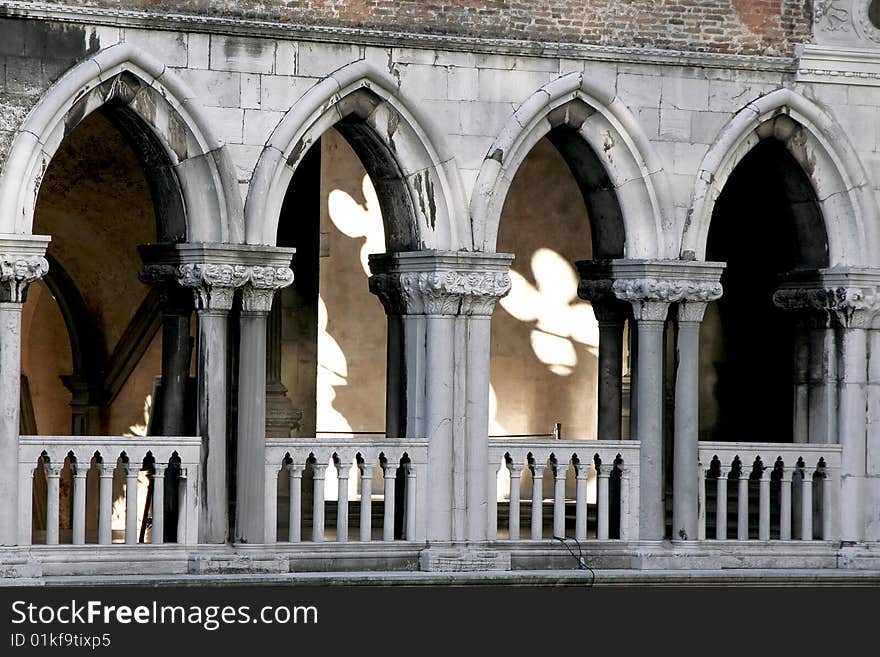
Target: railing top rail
{"x":574,"y":444}
{"x":781,"y":448}
{"x":135,"y":441}
{"x":345,"y":442}
{"x":187,"y":447}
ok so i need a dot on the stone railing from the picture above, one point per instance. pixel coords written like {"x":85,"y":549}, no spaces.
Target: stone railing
{"x":612,"y":465}
{"x":793,"y":489}
{"x":291,"y":462}
{"x":110,"y":459}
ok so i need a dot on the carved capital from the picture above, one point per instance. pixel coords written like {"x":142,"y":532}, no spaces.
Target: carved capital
{"x":691,"y":311}
{"x":17,"y":272}
{"x":850,"y":306}
{"x":440,"y":292}
{"x":256,"y":300}
{"x":650,"y":297}
{"x":213,"y":285}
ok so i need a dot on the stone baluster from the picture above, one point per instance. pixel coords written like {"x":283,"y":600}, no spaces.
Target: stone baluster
{"x":158,"y":526}
{"x":22,"y":262}
{"x":785,"y":504}
{"x":538,"y":500}
{"x":295,"y":473}
{"x":561,"y":469}
{"x":411,"y":501}
{"x":342,"y":469}
{"x":580,"y":520}
{"x":721,"y":504}
{"x":270,"y":508}
{"x":366,"y":528}
{"x":80,"y":472}
{"x":806,"y":504}
{"x":603,"y":478}
{"x":319,"y":471}
{"x":389,"y":470}
{"x":701,"y":501}
{"x":132,"y":469}
{"x":828,"y":513}
{"x":105,"y":501}
{"x":742,"y":498}
{"x":514,"y":506}
{"x":764,"y":504}
{"x":53,"y":476}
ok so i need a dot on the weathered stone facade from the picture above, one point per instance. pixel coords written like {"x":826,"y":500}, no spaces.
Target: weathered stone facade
{"x":656,"y":109}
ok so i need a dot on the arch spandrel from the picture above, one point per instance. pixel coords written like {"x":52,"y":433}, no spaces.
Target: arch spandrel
{"x":600,"y":123}
{"x":824,"y":152}
{"x":158,"y":113}
{"x":419,"y":191}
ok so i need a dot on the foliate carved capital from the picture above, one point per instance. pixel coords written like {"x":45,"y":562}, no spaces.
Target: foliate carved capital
{"x":650,"y":297}
{"x":440,"y":292}
{"x":666,"y":291}
{"x":691,"y":311}
{"x":214,"y":284}
{"x":850,"y":306}
{"x":257,"y":300}
{"x":17,"y":272}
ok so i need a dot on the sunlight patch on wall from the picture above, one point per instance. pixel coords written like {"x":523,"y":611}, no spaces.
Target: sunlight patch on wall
{"x":359,"y":221}
{"x":559,"y":317}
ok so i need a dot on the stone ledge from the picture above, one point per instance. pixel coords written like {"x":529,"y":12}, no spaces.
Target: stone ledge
{"x":463,"y":559}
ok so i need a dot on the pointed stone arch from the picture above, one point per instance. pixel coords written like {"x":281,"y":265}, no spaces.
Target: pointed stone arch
{"x":419,"y":191}
{"x":620,"y":176}
{"x":825,"y":154}
{"x":191,"y":174}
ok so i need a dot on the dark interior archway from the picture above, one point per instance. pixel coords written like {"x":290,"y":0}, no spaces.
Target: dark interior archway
{"x":766,"y":222}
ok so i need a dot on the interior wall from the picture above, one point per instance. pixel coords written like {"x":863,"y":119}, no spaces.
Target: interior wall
{"x":349,"y":391}
{"x":544,"y":338}
{"x":95,"y":204}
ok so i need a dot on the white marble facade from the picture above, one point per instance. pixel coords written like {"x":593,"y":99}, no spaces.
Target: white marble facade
{"x":234,"y":113}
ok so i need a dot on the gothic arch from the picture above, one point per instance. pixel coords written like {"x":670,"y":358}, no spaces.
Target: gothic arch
{"x":420,"y":195}
{"x":193,"y":181}
{"x":619,"y":174}
{"x":822,"y":149}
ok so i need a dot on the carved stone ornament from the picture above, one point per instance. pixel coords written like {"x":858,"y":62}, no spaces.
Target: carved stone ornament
{"x":440,"y":292}
{"x":17,"y":272}
{"x":650,"y":297}
{"x":846,"y":304}
{"x":214,"y":284}
{"x":833,"y":15}
{"x":666,"y":291}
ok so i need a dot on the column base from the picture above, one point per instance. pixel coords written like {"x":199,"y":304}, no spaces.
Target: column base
{"x":462,"y":558}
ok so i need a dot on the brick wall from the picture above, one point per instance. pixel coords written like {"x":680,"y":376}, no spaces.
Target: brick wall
{"x":729,"y":26}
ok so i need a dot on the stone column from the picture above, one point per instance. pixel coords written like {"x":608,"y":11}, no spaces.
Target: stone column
{"x":685,"y":457}
{"x":650,"y":286}
{"x":596,"y":287}
{"x":213,"y":286}
{"x":22,"y":262}
{"x":842,"y":407}
{"x":445,"y":301}
{"x":282,"y":419}
{"x":852,"y":421}
{"x":257,"y":294}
